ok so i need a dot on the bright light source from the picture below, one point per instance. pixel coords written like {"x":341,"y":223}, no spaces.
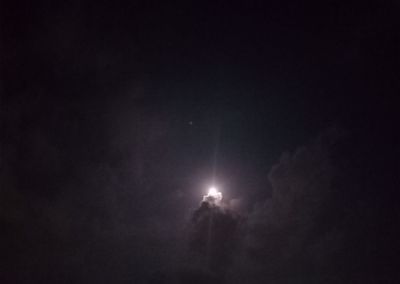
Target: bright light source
{"x":213,"y":196}
{"x":212,"y":191}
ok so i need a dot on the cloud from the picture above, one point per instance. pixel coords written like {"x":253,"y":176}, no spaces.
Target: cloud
{"x":213,"y":239}
{"x":285,"y":236}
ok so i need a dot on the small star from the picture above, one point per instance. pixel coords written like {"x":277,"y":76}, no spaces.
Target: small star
{"x":190,"y":122}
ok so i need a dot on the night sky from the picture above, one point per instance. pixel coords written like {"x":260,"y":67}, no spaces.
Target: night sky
{"x":116,"y":117}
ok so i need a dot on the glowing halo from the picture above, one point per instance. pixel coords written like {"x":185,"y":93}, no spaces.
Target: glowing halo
{"x":212,"y":191}
{"x":213,"y":196}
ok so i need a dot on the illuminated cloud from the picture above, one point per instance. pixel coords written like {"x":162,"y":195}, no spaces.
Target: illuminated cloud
{"x":213,"y":196}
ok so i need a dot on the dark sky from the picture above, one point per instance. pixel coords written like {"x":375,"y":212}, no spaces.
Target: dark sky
{"x":115,"y":115}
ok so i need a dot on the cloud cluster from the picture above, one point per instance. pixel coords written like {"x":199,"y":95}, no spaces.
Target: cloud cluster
{"x":285,"y":235}
{"x":321,"y":223}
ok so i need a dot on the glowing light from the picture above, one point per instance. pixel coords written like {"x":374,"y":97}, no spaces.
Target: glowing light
{"x":212,"y":191}
{"x":213,"y":196}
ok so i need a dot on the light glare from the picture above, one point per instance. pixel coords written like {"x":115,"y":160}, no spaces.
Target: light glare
{"x":213,"y":196}
{"x":212,"y":191}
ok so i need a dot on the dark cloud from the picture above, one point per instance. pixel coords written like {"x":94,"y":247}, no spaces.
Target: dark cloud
{"x":214,"y":236}
{"x":320,"y":223}
{"x":317,"y":225}
{"x":286,"y":233}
